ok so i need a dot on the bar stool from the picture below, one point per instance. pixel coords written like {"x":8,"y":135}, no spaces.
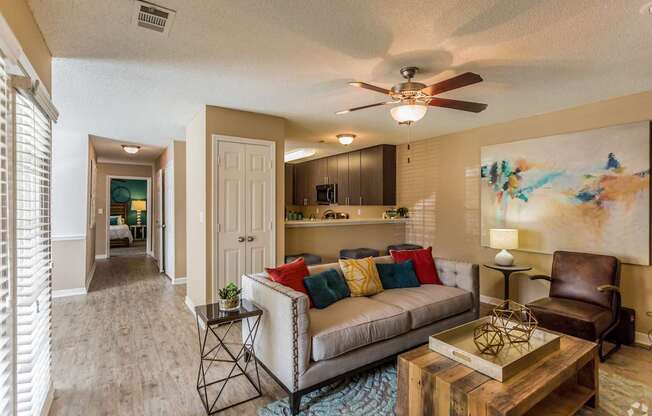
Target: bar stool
{"x":398,"y":247}
{"x":309,"y":258}
{"x":358,"y":253}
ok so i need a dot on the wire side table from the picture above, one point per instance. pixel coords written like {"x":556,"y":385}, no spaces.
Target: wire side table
{"x":214,"y":320}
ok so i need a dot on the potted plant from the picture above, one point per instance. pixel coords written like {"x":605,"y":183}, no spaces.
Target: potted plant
{"x":229,"y":297}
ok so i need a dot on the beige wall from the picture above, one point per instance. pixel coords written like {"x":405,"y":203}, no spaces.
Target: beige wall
{"x":222,"y":121}
{"x":114,"y":169}
{"x":69,"y":265}
{"x":328,"y":241}
{"x":21,"y":21}
{"x":179,"y":208}
{"x":441,"y":186}
{"x":195,"y":208}
{"x":90,"y":230}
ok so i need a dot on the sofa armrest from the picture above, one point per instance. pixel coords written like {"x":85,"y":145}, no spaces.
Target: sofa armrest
{"x":463,"y":275}
{"x":283,"y":341}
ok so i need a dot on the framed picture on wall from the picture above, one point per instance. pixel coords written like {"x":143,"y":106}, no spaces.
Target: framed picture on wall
{"x":587,"y":191}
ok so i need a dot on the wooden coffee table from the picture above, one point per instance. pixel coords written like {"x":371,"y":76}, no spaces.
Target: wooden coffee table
{"x":560,"y":384}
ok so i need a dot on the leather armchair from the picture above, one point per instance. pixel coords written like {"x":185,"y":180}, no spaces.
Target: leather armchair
{"x":584,"y":299}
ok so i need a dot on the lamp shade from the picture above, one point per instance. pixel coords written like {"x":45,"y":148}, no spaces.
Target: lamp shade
{"x":503,"y":238}
{"x":138,"y":205}
{"x":409,"y":112}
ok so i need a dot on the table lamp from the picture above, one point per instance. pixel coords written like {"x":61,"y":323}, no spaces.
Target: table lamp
{"x":138,"y":206}
{"x":503,"y":239}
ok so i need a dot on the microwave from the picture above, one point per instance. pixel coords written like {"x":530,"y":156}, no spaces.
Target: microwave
{"x":327,"y":194}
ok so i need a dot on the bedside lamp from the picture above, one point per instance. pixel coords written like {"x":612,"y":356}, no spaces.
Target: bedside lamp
{"x":503,"y":239}
{"x":138,"y":206}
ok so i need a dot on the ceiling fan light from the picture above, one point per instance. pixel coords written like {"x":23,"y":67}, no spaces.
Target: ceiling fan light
{"x":408,"y":113}
{"x":345,"y":139}
{"x":131,"y":149}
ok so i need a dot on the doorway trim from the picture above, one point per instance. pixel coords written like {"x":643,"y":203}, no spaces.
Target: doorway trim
{"x":148,"y":244}
{"x":271,"y":146}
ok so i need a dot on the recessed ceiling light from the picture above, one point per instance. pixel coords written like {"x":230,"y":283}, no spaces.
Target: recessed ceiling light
{"x":130,"y":148}
{"x":297,"y":154}
{"x":346,"y":139}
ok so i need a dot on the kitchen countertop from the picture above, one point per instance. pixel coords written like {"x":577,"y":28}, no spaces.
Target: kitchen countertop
{"x":343,"y":222}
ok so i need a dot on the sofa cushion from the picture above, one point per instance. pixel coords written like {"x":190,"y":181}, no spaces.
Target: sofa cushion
{"x":353,"y":323}
{"x":428,"y":303}
{"x":397,"y":275}
{"x":326,"y":288}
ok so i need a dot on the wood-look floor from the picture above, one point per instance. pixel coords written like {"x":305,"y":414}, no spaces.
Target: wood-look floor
{"x":130,"y":347}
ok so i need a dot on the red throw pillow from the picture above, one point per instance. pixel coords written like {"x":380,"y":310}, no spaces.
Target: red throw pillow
{"x":424,"y":265}
{"x":291,"y":275}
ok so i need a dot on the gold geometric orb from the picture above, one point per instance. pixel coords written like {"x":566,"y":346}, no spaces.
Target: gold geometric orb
{"x":488,"y":339}
{"x":515,"y":321}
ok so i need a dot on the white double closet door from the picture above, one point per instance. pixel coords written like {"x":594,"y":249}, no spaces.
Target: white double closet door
{"x":245,"y":210}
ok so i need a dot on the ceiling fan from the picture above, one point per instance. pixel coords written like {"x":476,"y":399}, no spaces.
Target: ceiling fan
{"x":415,"y":97}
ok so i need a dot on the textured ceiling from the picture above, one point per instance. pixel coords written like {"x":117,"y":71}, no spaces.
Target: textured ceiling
{"x":107,"y":149}
{"x":294,"y":59}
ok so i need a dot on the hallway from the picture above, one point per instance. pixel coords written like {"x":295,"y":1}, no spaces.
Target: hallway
{"x":129,"y":347}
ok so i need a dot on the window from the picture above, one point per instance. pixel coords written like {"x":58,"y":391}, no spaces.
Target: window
{"x":33,"y":256}
{"x":6,"y":322}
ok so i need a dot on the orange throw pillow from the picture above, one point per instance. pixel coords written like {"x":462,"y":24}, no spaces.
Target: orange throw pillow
{"x":291,"y":275}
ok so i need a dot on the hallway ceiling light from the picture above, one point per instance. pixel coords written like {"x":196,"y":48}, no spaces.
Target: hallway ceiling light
{"x":297,"y":154}
{"x":409,"y":113}
{"x":346,"y":139}
{"x":130,"y":148}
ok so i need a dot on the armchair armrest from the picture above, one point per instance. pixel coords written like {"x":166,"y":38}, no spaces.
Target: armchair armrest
{"x":541,"y":277}
{"x":283,"y":340}
{"x":615,"y":290}
{"x":608,"y":288}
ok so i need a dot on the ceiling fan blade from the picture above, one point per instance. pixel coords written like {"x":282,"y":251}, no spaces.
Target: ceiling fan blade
{"x":457,"y":104}
{"x":364,"y":106}
{"x":369,"y":87}
{"x":454,"y":83}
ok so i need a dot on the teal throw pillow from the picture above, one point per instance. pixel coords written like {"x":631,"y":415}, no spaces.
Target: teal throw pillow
{"x":397,"y":275}
{"x":326,"y":288}
{"x":113,"y":220}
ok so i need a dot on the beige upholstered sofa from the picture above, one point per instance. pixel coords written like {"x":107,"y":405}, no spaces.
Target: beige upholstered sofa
{"x":304,"y":349}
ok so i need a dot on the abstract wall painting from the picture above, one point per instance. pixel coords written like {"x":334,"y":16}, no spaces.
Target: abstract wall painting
{"x":587,"y":191}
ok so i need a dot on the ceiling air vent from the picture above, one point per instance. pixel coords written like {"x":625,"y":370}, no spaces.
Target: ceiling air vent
{"x":153,"y":17}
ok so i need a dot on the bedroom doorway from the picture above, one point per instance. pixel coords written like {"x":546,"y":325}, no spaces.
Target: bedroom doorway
{"x":128,"y":222}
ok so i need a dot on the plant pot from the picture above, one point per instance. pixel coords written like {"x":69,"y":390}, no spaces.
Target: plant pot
{"x":230,"y":304}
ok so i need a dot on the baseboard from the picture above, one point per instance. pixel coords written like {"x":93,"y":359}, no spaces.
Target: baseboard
{"x":191,"y":306}
{"x":92,"y":274}
{"x":101,"y":257}
{"x":179,"y":280}
{"x":490,"y":300}
{"x":63,"y":293}
{"x":641,"y":338}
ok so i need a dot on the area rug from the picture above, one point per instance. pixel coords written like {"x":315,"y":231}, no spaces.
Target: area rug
{"x":374,"y":394}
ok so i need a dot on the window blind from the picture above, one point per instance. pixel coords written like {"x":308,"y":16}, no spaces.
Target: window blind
{"x":6,"y":308}
{"x":33,"y":256}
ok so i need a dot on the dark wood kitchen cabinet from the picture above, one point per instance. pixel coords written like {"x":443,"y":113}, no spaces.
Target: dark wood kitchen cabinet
{"x":363,"y":177}
{"x":289,"y":184}
{"x":378,"y":175}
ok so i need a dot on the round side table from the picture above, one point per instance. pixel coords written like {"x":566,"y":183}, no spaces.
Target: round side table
{"x":507,"y":271}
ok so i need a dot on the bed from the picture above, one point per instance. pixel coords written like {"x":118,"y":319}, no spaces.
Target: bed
{"x":119,"y":235}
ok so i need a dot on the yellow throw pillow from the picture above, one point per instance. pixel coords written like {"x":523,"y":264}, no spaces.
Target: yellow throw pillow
{"x":361,"y":276}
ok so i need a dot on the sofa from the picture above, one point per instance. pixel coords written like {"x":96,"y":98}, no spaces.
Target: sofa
{"x":306,"y":348}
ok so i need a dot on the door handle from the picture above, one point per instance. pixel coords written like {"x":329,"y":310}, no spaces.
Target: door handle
{"x":241,"y":239}
{"x":250,"y":239}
